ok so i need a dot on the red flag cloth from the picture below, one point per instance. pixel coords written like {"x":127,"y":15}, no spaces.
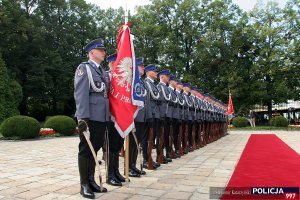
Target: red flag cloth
{"x":230,"y":109}
{"x":121,"y":107}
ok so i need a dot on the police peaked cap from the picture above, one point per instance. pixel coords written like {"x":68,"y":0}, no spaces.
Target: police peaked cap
{"x":164,"y":72}
{"x":172,"y":78}
{"x":112,"y":57}
{"x":95,"y":44}
{"x":187,"y":85}
{"x":179,"y":82}
{"x":151,"y":67}
{"x":140,"y":61}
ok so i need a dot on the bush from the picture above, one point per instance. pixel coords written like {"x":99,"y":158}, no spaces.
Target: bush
{"x":19,"y":126}
{"x":279,"y":121}
{"x":62,"y":124}
{"x":240,"y":122}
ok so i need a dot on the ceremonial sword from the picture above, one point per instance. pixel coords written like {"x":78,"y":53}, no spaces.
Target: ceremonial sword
{"x":86,"y":134}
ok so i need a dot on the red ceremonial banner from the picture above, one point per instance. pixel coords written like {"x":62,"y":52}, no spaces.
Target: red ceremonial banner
{"x":121,"y":107}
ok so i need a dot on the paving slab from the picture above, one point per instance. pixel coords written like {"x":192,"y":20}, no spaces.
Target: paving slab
{"x":47,"y":169}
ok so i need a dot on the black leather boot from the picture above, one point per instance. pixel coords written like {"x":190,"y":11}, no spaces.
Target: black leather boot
{"x":133,"y":173}
{"x":134,"y":164}
{"x":168,"y":155}
{"x":177,"y":154}
{"x":132,"y":157}
{"x":83,"y":166}
{"x":93,"y":185}
{"x":116,"y":168}
{"x":111,"y":178}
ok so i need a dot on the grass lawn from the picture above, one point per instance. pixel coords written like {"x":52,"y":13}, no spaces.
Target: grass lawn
{"x":259,"y":128}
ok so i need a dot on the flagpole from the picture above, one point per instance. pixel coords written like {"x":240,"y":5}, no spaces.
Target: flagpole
{"x":127,"y":137}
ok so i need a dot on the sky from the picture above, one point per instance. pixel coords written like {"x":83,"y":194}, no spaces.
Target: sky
{"x":104,"y":4}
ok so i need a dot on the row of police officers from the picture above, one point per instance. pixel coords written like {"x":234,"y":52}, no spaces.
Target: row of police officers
{"x":177,"y":118}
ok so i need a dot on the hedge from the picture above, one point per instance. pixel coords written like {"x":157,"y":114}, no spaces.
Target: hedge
{"x":20,"y":126}
{"x":240,"y":122}
{"x":279,"y":121}
{"x":64,"y":125}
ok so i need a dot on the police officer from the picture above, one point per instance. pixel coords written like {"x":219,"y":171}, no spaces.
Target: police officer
{"x":208,"y":118}
{"x":194,"y":117}
{"x":171,"y":112}
{"x":188,"y":118}
{"x":91,"y":84}
{"x":199,"y":138}
{"x":197,"y":116}
{"x":152,"y":100}
{"x":166,"y":112}
{"x":115,"y":141}
{"x":205,"y":119}
{"x":139,"y":123}
{"x":179,"y":119}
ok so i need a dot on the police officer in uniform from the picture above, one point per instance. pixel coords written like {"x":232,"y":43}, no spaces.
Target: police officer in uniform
{"x":188,"y":118}
{"x":115,"y":141}
{"x":178,"y":118}
{"x":209,"y":118}
{"x":200,"y":118}
{"x":197,"y":116}
{"x":165,"y":111}
{"x":171,"y":112}
{"x":192,"y":138}
{"x":91,"y":84}
{"x":152,"y":101}
{"x":139,"y":123}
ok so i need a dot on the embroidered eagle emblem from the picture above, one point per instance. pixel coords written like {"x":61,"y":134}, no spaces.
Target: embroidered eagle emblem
{"x":123,"y":73}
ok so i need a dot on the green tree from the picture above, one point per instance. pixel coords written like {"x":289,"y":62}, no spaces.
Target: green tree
{"x":269,"y":66}
{"x":11,"y":94}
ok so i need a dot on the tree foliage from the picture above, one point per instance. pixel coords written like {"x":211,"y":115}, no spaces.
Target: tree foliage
{"x":10,"y":95}
{"x":211,"y":43}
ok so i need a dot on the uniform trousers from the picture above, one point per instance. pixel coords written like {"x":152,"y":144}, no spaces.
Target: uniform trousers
{"x":97,"y":135}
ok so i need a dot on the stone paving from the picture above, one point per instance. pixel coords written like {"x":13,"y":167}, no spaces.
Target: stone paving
{"x":47,"y":169}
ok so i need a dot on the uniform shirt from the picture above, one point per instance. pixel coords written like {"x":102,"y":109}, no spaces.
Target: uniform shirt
{"x":172,"y":103}
{"x":195,"y":105}
{"x":188,"y":107}
{"x":152,"y":99}
{"x":89,"y":103}
{"x":179,"y":111}
{"x":165,"y":95}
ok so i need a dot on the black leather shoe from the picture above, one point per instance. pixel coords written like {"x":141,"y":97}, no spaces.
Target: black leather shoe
{"x":119,"y":177}
{"x":145,"y":165}
{"x":83,"y":165}
{"x":156,"y":165}
{"x":113,"y":181}
{"x":138,"y":171}
{"x":86,"y":192}
{"x":168,"y":159}
{"x":91,"y":172}
{"x":96,"y":188}
{"x":116,"y":167}
{"x":177,"y":154}
{"x":168,"y":156}
{"x":132,"y":173}
{"x":184,"y":151}
{"x":191,"y":149}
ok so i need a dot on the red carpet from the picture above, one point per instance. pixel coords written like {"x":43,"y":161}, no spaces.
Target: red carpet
{"x":266,"y":162}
